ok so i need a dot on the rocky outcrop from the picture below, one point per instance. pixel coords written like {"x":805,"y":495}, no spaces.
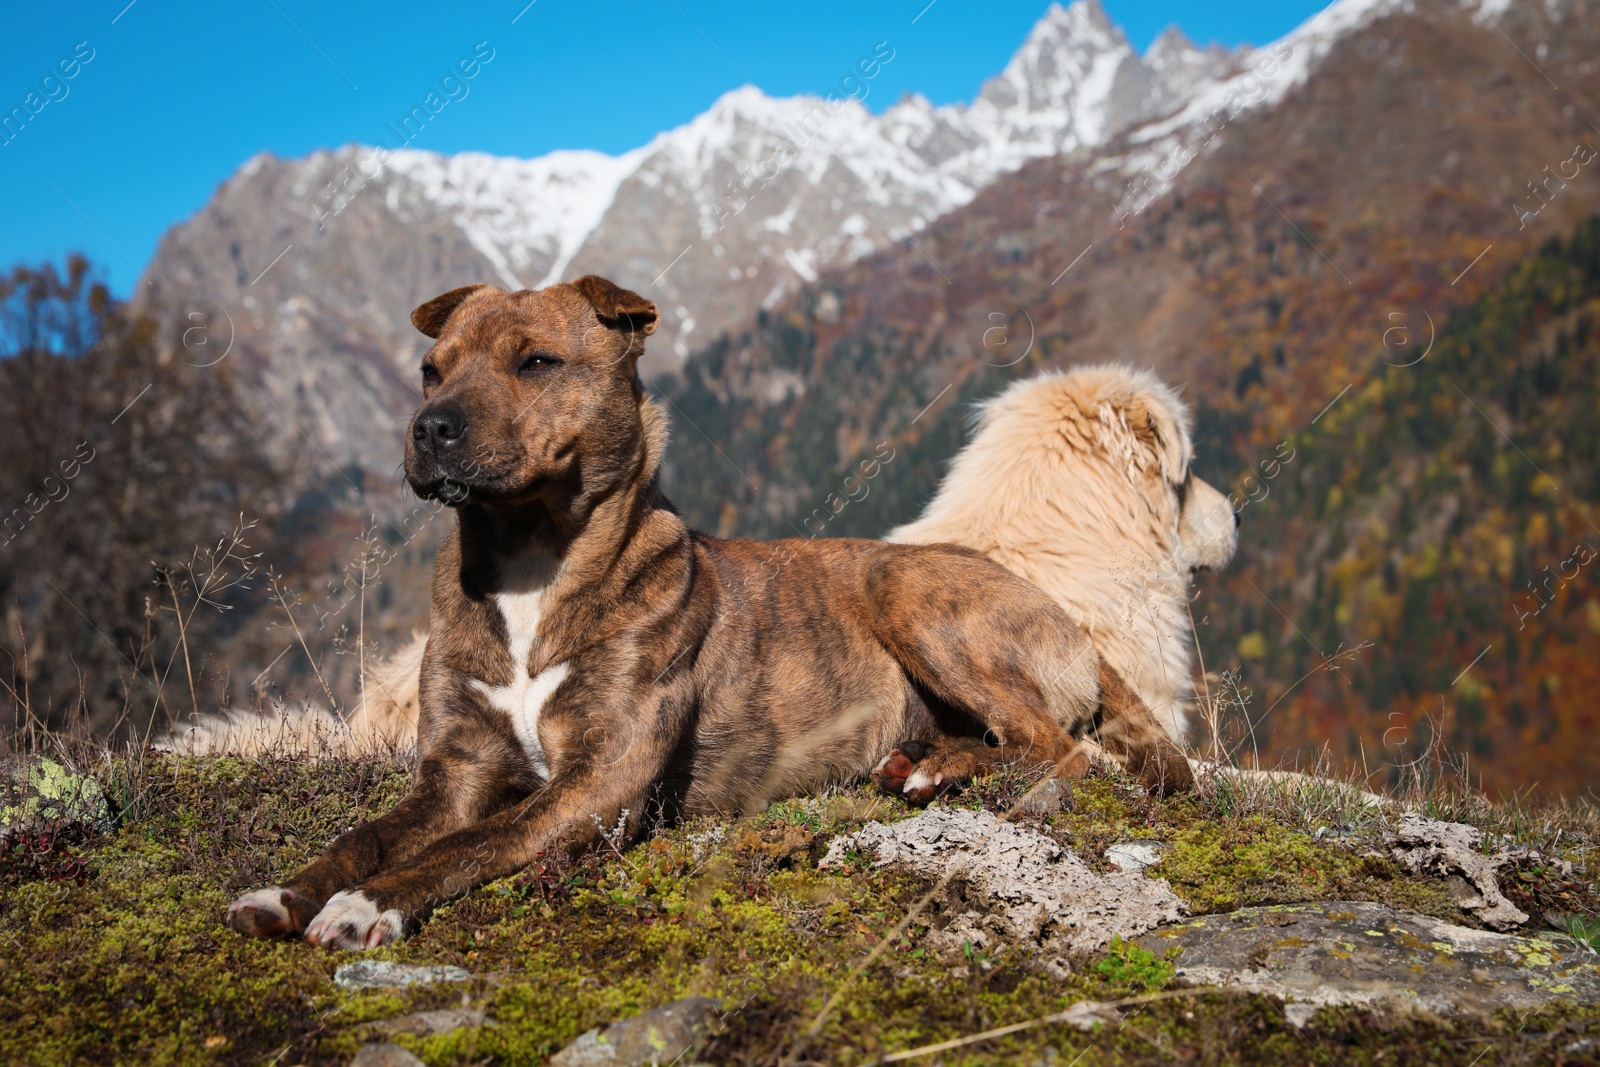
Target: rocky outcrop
{"x":1352,"y":952}
{"x":664,"y":1035}
{"x":382,"y":1054}
{"x":384,"y":974}
{"x":1431,"y":846}
{"x":1014,"y":886}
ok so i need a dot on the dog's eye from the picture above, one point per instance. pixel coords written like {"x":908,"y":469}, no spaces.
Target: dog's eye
{"x":431,"y":375}
{"x":534,"y":362}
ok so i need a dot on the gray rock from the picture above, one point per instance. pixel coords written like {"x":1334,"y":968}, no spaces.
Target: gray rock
{"x":1135,"y":855}
{"x":36,"y":791}
{"x":385,"y":1055}
{"x":1349,"y":952}
{"x":1089,"y":1014}
{"x":1049,"y":796}
{"x":1431,"y":846}
{"x":382,"y":974}
{"x":442,"y":1021}
{"x":1018,"y":887}
{"x":668,"y":1034}
{"x":1462,"y":892}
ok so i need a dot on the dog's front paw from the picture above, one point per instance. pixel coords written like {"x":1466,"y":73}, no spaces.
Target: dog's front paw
{"x":271,"y":912}
{"x":351,"y":921}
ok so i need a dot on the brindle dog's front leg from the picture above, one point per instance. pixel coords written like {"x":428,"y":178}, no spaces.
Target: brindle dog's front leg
{"x":569,"y":813}
{"x":461,"y":778}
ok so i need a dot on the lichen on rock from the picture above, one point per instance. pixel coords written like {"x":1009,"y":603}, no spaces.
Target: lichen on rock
{"x":1354,"y":952}
{"x":386,"y":974}
{"x":38,"y":791}
{"x":664,"y":1035}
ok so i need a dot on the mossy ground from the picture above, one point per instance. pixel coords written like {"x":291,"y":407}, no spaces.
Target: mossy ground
{"x":112,"y":947}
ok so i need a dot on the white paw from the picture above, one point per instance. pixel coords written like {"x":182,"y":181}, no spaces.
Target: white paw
{"x":351,"y":921}
{"x":268,"y":900}
{"x":259,"y":911}
{"x":922,"y":780}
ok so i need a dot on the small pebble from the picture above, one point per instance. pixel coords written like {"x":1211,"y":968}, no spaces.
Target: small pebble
{"x":385,"y":1055}
{"x":382,"y":974}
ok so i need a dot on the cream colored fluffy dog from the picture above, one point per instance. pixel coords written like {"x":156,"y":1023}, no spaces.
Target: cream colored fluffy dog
{"x":1077,"y":481}
{"x":1080,"y":482}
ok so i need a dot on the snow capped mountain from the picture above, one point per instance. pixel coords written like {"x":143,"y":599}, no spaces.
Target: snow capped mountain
{"x":528,"y":217}
{"x":1073,"y":81}
{"x":317,"y":262}
{"x":1177,"y":63}
{"x":1219,"y":86}
{"x":708,"y":214}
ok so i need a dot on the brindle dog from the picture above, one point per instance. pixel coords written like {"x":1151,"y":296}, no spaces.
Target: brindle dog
{"x":592,"y":658}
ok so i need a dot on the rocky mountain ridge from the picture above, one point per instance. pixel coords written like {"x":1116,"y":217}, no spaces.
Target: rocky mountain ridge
{"x":305,"y":270}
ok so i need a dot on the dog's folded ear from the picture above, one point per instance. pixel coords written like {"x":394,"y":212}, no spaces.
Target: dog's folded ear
{"x":431,"y":317}
{"x":615,"y":304}
{"x":1164,"y":431}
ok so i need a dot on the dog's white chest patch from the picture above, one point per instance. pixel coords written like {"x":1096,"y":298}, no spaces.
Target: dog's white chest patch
{"x":521,"y":604}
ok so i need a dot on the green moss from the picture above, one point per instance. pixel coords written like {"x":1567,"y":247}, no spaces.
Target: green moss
{"x":1126,"y":964}
{"x":1220,"y":866}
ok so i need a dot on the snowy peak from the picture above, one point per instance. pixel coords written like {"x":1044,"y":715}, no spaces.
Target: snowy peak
{"x":1061,"y":85}
{"x":1181,"y":68}
{"x":1072,"y":84}
{"x":1175,"y":59}
{"x":758,"y":135}
{"x":1260,"y":77}
{"x":1058,"y":56}
{"x":528,"y":217}
{"x":1171,"y":45}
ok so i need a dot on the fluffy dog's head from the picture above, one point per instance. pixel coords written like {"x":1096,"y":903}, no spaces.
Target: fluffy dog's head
{"x":527,"y":395}
{"x":1094,"y":461}
{"x":1138,"y":424}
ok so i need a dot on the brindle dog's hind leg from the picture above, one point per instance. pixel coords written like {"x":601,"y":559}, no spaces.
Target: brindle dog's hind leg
{"x":992,"y":646}
{"x":933,"y":767}
{"x":1127,"y":729}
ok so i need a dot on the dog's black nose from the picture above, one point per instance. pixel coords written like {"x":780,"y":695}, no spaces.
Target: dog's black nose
{"x":438,"y":428}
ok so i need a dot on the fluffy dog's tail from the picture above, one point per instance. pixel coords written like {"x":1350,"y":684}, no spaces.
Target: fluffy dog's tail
{"x":385,"y":722}
{"x":1296,"y":787}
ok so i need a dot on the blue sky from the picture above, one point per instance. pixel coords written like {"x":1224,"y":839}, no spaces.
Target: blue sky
{"x":179,"y":93}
